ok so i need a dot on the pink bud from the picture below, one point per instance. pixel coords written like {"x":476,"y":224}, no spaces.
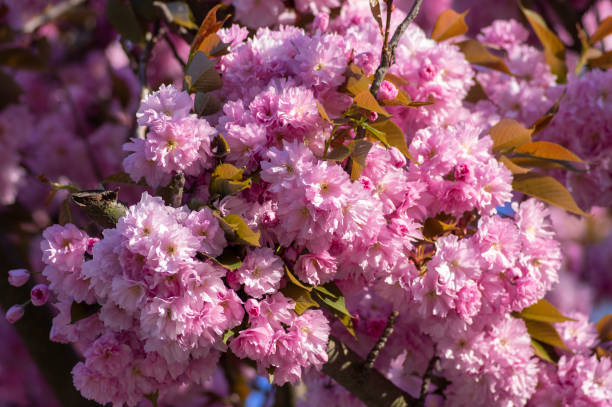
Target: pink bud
{"x":39,"y":294}
{"x":321,"y":22}
{"x":252,"y":307}
{"x":373,"y":116}
{"x":397,"y":158}
{"x":14,"y":314}
{"x":90,"y":243}
{"x":387,"y":91}
{"x":232,"y":280}
{"x":18,"y":277}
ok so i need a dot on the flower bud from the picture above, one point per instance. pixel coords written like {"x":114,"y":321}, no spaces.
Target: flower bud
{"x":18,"y":277}
{"x":14,"y":314}
{"x":39,"y":294}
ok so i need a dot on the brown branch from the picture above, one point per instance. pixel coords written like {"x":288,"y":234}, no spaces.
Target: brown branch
{"x":174,"y":51}
{"x":388,"y":52}
{"x":382,"y":341}
{"x":101,"y":206}
{"x":143,"y":62}
{"x":173,"y":193}
{"x":50,"y":14}
{"x":368,"y":385}
{"x":427,"y":376}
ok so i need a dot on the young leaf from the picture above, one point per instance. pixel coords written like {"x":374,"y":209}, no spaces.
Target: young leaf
{"x":544,"y":311}
{"x":201,"y":75}
{"x":544,"y":332}
{"x":123,"y":19}
{"x":476,"y":53}
{"x":205,"y":104}
{"x":323,"y":113}
{"x":181,"y":14}
{"x":604,"y":29}
{"x":302,"y":297}
{"x":366,"y":100}
{"x":476,"y":93}
{"x":394,"y":136}
{"x":82,"y":310}
{"x":514,"y":168}
{"x":375,"y":7}
{"x":546,"y":189}
{"x":554,"y":50}
{"x":209,"y":26}
{"x":546,"y":149}
{"x":227,"y":335}
{"x":509,"y":133}
{"x":219,"y":146}
{"x":227,"y":180}
{"x":541,"y":350}
{"x":449,"y":24}
{"x":359,"y":152}
{"x":230,"y":258}
{"x":238,"y":231}
{"x":339,"y":153}
{"x":330,"y":297}
{"x":604,"y":328}
{"x":604,"y":61}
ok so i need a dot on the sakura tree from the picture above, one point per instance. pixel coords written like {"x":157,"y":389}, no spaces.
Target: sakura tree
{"x":324,"y":195}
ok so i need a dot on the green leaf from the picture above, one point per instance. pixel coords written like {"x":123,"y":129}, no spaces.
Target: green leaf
{"x":122,"y":17}
{"x":301,"y":296}
{"x":331,"y":298}
{"x":230,"y":258}
{"x":546,"y":189}
{"x":227,"y":335}
{"x":476,"y":93}
{"x":227,"y":180}
{"x":476,"y":53}
{"x":367,"y":101}
{"x":604,"y":29}
{"x":554,"y":50}
{"x":294,"y":280}
{"x":509,"y":133}
{"x":433,"y":227}
{"x":81,"y":310}
{"x":201,"y":75}
{"x":209,"y":26}
{"x":123,"y":178}
{"x":237,"y":230}
{"x":449,"y":24}
{"x":543,"y":351}
{"x":153,"y":397}
{"x":544,"y":311}
{"x":181,"y":14}
{"x":544,"y":332}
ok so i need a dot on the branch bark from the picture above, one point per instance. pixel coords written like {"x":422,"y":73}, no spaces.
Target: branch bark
{"x":382,"y":341}
{"x":50,"y":14}
{"x":368,"y":385}
{"x":387,"y":56}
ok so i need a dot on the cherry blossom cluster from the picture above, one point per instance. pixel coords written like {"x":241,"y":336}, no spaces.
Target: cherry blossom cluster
{"x":415,"y":227}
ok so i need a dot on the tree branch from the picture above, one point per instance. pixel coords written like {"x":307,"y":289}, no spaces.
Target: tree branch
{"x":427,"y":378}
{"x":102,"y":206}
{"x":368,"y":385}
{"x":382,"y":341}
{"x":388,"y":52}
{"x":143,"y":61}
{"x":174,"y":51}
{"x":49,"y":15}
{"x":173,"y":193}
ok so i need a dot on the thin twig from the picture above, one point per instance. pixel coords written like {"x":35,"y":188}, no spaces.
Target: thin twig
{"x":173,"y":193}
{"x":174,"y":51}
{"x":427,"y":379}
{"x":388,"y":52}
{"x":143,"y":61}
{"x":382,"y":341}
{"x":50,"y":14}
